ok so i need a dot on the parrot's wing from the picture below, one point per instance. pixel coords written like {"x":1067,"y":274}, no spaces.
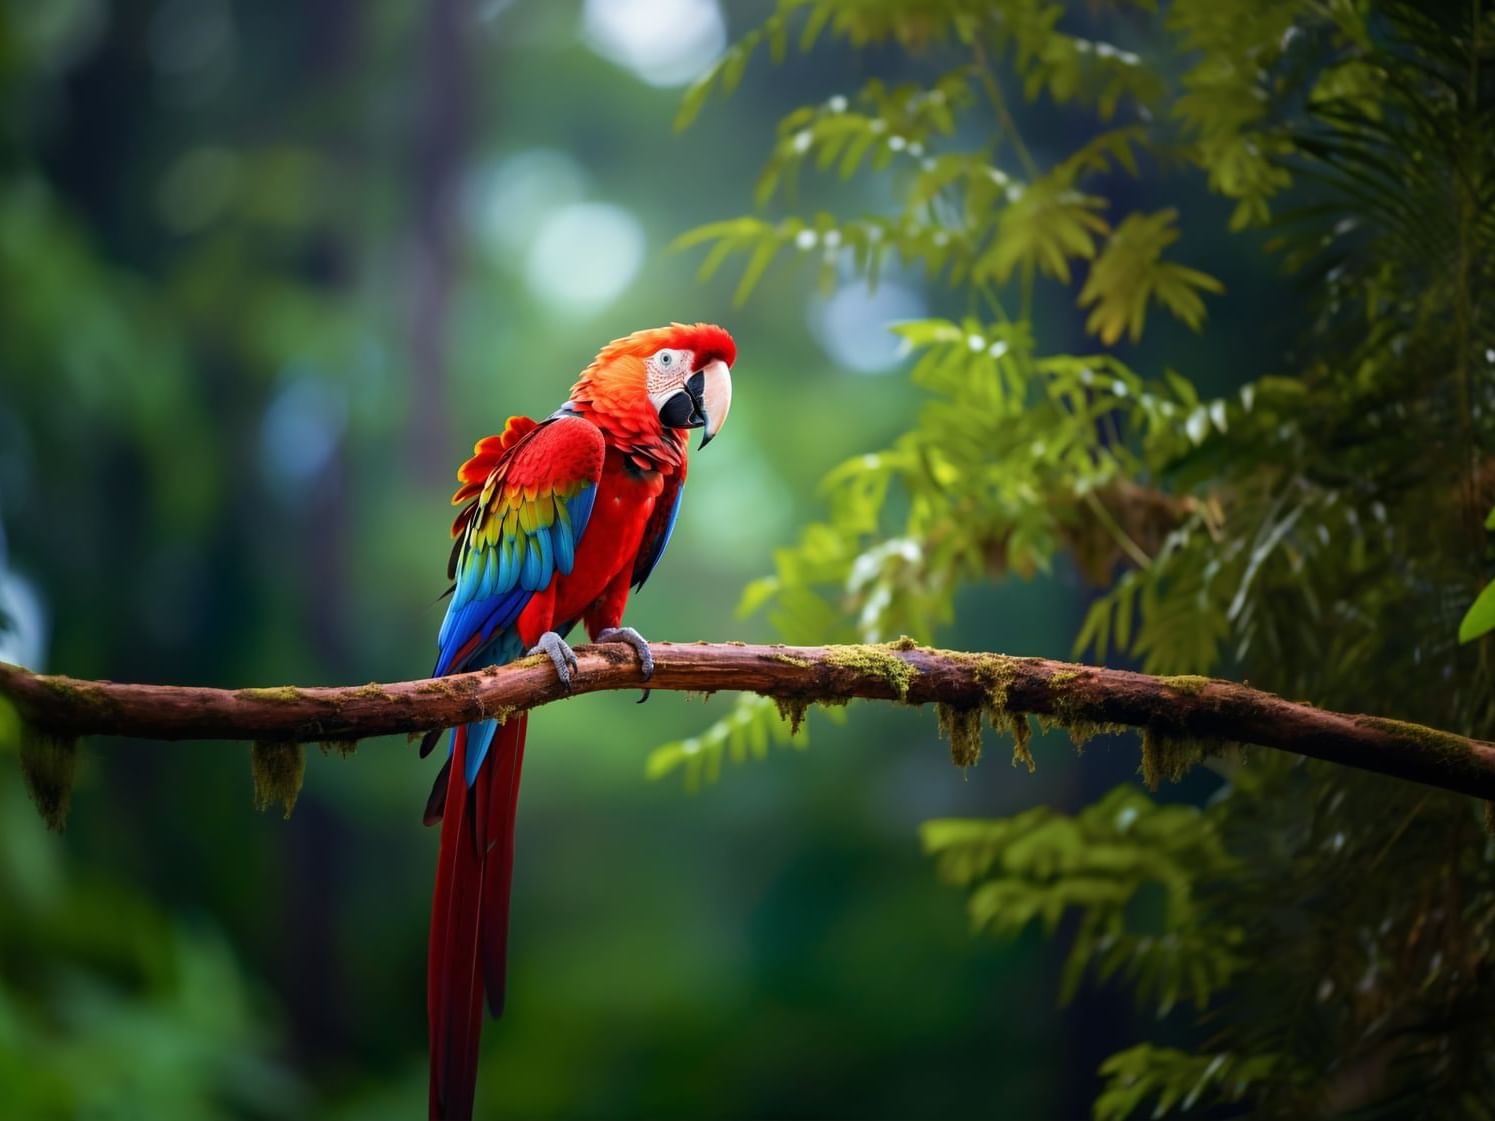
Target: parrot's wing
{"x":661,"y":525}
{"x":528,"y":494}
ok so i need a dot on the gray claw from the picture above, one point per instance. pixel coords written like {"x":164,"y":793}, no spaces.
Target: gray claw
{"x":634,"y":639}
{"x":554,"y":647}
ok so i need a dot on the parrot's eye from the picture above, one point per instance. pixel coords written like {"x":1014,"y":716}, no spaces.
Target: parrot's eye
{"x":666,"y":359}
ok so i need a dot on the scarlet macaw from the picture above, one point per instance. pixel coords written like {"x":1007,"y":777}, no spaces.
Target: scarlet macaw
{"x":559,"y":520}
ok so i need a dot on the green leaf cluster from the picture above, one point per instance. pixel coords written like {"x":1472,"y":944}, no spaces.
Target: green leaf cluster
{"x":985,"y":213}
{"x":1179,"y":1080}
{"x":1317,"y":532}
{"x":1480,"y":618}
{"x":1126,"y":867}
{"x":753,"y":726}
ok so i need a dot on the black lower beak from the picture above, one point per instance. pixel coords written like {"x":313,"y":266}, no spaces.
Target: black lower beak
{"x":683,"y":410}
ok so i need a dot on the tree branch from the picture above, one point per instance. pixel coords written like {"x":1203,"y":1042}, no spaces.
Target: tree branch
{"x":1177,"y":715}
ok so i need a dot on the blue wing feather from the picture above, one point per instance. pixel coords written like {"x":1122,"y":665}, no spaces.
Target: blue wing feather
{"x":483,"y":616}
{"x":495,"y":579}
{"x":645,"y":567}
{"x":560,"y":541}
{"x":480,"y":733}
{"x":494,"y":582}
{"x":506,"y":573}
{"x":541,"y":543}
{"x":580,"y":511}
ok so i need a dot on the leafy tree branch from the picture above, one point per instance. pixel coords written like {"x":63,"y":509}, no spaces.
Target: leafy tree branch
{"x":1180,"y":718}
{"x":1315,"y":528}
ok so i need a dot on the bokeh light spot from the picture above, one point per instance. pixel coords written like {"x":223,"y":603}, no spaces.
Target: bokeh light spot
{"x":663,"y":42}
{"x":300,"y":433}
{"x":507,"y":203}
{"x":585,"y":255}
{"x":852,"y":325}
{"x":23,"y":638}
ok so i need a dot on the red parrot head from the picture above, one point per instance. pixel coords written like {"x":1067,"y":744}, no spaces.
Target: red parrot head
{"x":680,"y":376}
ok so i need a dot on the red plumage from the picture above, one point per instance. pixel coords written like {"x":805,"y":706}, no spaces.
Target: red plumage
{"x":532,"y":479}
{"x":470,"y":916}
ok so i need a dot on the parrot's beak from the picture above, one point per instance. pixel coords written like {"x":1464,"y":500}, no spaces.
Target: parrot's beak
{"x":702,"y":402}
{"x":714,"y":398}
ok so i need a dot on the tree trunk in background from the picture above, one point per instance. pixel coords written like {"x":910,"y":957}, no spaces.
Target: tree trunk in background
{"x":313,"y":860}
{"x":439,"y":149}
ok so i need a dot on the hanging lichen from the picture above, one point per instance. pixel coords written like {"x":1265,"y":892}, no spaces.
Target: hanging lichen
{"x":792,"y":710}
{"x":346,"y":748}
{"x":1165,"y":755}
{"x":1067,"y":712}
{"x":49,"y":764}
{"x":962,"y":728}
{"x":1022,"y":734}
{"x":278,"y":770}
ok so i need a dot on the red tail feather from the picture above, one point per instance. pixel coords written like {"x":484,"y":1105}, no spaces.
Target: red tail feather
{"x":470,"y":915}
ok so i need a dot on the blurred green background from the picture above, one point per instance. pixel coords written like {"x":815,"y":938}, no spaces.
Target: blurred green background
{"x":267,"y":271}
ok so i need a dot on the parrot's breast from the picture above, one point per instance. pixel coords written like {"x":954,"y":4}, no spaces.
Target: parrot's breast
{"x":620,"y":514}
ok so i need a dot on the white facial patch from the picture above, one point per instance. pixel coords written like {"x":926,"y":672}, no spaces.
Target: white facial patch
{"x":665,"y":373}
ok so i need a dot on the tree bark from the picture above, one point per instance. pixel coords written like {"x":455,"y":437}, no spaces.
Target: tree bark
{"x":1171,"y":712}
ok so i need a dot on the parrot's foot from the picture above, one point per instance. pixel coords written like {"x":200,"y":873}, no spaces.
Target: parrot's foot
{"x":632,"y":638}
{"x":554,"y":647}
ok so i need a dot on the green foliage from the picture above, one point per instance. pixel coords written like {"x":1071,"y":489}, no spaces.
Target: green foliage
{"x":1179,"y":1080}
{"x":974,"y":492}
{"x":107,"y":1006}
{"x":221,"y":256}
{"x":1312,"y":532}
{"x":1129,"y":273}
{"x":1225,"y":106}
{"x":1480,"y":618}
{"x":982,"y":495}
{"x":897,"y":123}
{"x":965,"y":213}
{"x":753,"y":725}
{"x":1044,"y":225}
{"x":1231,"y":885}
{"x":1127,"y":866}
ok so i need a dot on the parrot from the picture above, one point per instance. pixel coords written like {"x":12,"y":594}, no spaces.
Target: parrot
{"x":560,"y":520}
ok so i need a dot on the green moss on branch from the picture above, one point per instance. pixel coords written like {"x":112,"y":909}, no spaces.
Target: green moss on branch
{"x":279,"y":694}
{"x":1443,"y":744}
{"x":791,"y":660}
{"x":875,"y":661}
{"x":1190,"y":683}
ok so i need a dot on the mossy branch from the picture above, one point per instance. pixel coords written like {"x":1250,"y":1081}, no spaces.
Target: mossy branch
{"x":1179,"y":716}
